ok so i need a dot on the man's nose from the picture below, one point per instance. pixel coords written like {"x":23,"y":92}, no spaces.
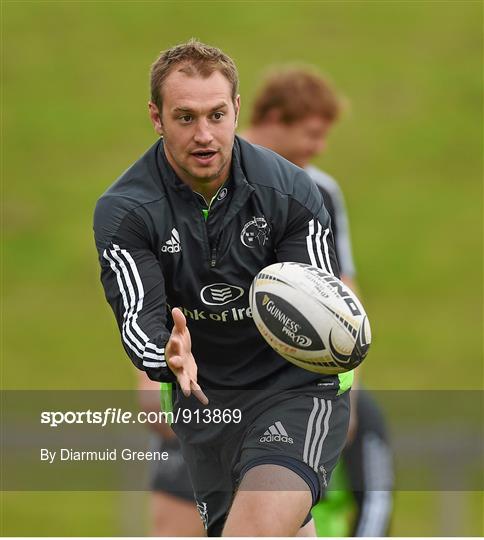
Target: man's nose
{"x":203,"y":135}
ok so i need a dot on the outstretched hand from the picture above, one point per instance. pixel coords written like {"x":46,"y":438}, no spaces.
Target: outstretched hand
{"x":178,"y":352}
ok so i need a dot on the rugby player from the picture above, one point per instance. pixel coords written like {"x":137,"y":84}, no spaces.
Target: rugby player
{"x":357,"y":503}
{"x":298,"y":129}
{"x":189,"y":224}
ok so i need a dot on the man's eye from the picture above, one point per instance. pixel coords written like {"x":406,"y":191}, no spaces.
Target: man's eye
{"x":185,"y":119}
{"x":218,"y":115}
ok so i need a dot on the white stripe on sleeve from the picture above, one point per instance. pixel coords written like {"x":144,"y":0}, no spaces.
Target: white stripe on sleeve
{"x":320,"y":258}
{"x":134,"y":337}
{"x":326,"y":251}
{"x":134,"y":345}
{"x":309,"y":243}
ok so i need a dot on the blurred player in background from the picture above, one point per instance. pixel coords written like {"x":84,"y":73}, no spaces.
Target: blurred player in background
{"x":293,"y":113}
{"x":359,"y":498}
{"x":173,"y":511}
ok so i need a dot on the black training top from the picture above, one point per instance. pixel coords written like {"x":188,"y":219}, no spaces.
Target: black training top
{"x":159,"y":248}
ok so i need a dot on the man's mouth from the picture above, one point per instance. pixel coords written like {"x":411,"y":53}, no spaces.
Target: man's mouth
{"x":204,"y":156}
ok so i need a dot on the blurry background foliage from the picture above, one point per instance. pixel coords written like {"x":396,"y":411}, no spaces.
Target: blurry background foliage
{"x":408,"y":157}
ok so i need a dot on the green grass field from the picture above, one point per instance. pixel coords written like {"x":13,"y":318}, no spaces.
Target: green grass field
{"x":408,"y":156}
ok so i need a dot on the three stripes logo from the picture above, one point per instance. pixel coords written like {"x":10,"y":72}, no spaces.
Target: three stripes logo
{"x":316,"y":432}
{"x":173,"y":244}
{"x":276,"y":433}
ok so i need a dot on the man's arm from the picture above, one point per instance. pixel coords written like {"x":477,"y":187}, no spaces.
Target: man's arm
{"x":134,"y":287}
{"x":335,"y":205}
{"x":342,"y":234}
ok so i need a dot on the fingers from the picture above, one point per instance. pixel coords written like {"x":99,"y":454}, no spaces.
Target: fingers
{"x":180,"y":363}
{"x":184,"y":382}
{"x":179,"y":319}
{"x":175,"y":362}
{"x":189,"y":387}
{"x":198,"y":392}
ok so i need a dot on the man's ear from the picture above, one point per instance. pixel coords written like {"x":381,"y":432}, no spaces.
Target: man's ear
{"x":237,"y":109}
{"x":155,"y":117}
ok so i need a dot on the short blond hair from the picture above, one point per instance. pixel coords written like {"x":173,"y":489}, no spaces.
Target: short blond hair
{"x":296,"y":93}
{"x":195,"y":58}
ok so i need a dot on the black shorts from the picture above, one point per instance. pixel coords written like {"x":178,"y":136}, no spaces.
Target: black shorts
{"x":304,"y":432}
{"x":170,"y":476}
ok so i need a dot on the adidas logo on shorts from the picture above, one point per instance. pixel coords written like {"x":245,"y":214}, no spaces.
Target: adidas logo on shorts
{"x":276,"y":433}
{"x":173,"y":244}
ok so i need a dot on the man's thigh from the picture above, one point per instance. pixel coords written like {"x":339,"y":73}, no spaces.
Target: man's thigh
{"x":271,"y":501}
{"x":305,"y":433}
{"x":303,"y":437}
{"x":173,"y":516}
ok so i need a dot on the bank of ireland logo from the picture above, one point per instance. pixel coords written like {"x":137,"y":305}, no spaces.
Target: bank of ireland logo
{"x":173,"y":244}
{"x":255,"y":232}
{"x":218,"y":294}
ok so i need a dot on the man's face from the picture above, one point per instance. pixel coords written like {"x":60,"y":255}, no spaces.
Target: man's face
{"x":198,"y":124}
{"x":302,"y":140}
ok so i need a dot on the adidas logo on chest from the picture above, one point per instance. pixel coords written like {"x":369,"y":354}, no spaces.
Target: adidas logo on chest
{"x":173,"y":244}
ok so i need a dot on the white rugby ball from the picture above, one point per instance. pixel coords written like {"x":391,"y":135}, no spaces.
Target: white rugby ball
{"x":310,"y":317}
